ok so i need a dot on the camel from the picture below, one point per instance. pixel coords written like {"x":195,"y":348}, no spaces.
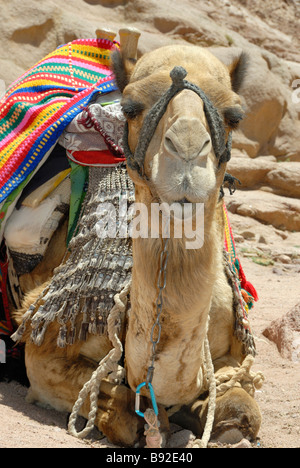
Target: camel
{"x":180,"y":165}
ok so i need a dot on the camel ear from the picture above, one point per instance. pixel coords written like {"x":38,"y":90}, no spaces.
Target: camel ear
{"x":122,"y":68}
{"x":238,"y":70}
{"x":124,"y":62}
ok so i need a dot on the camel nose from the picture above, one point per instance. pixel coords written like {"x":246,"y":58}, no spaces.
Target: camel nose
{"x":188,"y":139}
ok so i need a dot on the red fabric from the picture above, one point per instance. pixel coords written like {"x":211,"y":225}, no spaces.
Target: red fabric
{"x":246,"y":284}
{"x":3,"y":291}
{"x":94,"y":158}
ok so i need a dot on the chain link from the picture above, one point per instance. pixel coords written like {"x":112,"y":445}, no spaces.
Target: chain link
{"x":161,"y":285}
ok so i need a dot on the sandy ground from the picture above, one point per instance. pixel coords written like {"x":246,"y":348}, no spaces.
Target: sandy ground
{"x":24,"y":425}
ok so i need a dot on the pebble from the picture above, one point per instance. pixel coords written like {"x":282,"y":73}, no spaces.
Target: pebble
{"x":244,"y":443}
{"x":283,"y":259}
{"x":248,"y":234}
{"x":277,"y":271}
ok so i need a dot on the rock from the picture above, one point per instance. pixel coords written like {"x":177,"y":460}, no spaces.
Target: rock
{"x":262,"y":240}
{"x":281,"y":212}
{"x":238,"y":239}
{"x":271,"y":123}
{"x":231,"y":436}
{"x":180,"y":438}
{"x":283,"y":259}
{"x":251,"y":172}
{"x":281,"y":234}
{"x":285,"y":179}
{"x":285,"y":333}
{"x":277,"y":271}
{"x":244,"y":443}
{"x":248,"y":235}
{"x":265,"y":105}
{"x":266,"y":173}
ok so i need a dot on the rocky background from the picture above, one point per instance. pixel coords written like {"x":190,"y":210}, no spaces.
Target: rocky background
{"x":265,"y":210}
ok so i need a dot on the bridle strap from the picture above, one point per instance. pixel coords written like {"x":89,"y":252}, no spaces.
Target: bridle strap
{"x":221,"y":148}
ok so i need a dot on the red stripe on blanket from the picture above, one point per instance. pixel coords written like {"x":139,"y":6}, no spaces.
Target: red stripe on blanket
{"x":94,"y":158}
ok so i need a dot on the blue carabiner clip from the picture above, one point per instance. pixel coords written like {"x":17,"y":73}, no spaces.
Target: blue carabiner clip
{"x":137,"y":399}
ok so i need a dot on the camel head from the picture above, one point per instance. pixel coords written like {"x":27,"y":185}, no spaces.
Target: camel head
{"x":180,"y":163}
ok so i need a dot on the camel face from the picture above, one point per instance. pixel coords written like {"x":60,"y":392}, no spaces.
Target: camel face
{"x":180,"y":162}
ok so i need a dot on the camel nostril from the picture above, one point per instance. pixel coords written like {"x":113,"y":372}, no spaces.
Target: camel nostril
{"x":205,"y":148}
{"x":187,"y":140}
{"x":170,"y":146}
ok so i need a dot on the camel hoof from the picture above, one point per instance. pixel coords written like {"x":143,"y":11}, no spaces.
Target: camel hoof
{"x":237,"y":417}
{"x":229,"y":436}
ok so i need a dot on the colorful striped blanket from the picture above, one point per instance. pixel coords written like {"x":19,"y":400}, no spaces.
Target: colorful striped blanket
{"x":41,"y":103}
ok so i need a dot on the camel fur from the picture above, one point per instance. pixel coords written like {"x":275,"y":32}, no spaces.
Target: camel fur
{"x":181,"y":167}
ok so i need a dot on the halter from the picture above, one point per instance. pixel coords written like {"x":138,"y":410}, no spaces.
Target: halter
{"x":221,"y":148}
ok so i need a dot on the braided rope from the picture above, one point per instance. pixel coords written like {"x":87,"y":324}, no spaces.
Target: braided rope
{"x":249,"y":381}
{"x":220,"y":384}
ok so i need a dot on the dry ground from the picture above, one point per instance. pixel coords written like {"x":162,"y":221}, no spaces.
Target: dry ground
{"x":24,"y":425}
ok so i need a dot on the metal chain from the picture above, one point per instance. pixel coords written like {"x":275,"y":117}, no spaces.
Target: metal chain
{"x":161,"y":285}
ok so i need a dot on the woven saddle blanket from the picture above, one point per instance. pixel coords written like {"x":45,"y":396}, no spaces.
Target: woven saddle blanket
{"x":41,"y":103}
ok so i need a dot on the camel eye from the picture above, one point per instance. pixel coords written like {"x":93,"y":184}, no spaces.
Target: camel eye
{"x":132,"y":109}
{"x":233,"y":116}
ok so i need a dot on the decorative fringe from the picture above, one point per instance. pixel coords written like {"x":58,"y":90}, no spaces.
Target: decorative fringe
{"x":242,"y":325}
{"x":94,"y":270}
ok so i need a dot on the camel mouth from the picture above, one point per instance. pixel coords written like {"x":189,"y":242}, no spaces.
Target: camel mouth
{"x":184,"y":201}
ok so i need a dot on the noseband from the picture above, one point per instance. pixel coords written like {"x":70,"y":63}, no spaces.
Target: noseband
{"x":221,"y":148}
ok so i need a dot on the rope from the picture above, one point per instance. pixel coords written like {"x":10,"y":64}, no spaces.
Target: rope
{"x":218,"y":385}
{"x":108,"y":367}
{"x":250,"y":381}
{"x":203,"y":442}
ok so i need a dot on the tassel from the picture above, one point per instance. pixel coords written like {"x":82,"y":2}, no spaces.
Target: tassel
{"x":71,"y":336}
{"x":83,"y":331}
{"x":246,"y":284}
{"x":62,"y":337}
{"x":251,"y":290}
{"x":153,"y":436}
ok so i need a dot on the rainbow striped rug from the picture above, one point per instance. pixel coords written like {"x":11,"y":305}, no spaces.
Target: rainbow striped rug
{"x":42,"y":102}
